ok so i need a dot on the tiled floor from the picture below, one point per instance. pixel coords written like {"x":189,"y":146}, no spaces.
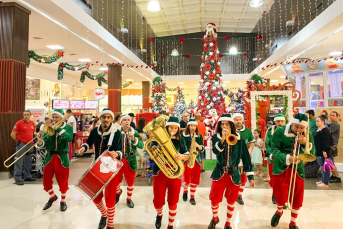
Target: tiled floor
{"x":21,"y":207}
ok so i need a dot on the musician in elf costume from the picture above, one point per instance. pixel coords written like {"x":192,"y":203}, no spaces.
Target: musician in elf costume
{"x":283,"y":144}
{"x":249,"y":140}
{"x":192,"y":175}
{"x":131,"y":141}
{"x":106,"y":136}
{"x":279,"y":120}
{"x":161,"y":183}
{"x":226,"y":176}
{"x":57,"y":159}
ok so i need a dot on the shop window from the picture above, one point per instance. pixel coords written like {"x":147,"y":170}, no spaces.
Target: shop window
{"x":299,"y":81}
{"x":335,"y":83}
{"x":316,"y":89}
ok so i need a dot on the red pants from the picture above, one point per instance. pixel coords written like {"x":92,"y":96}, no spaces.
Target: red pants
{"x":61,"y":173}
{"x":129,"y":174}
{"x":192,"y":175}
{"x":270,"y":171}
{"x":110,"y":193}
{"x":244,"y":179}
{"x":160,"y":185}
{"x":219,"y":186}
{"x":281,"y":185}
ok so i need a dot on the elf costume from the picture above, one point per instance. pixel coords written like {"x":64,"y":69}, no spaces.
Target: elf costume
{"x":161,"y":183}
{"x":129,"y":162}
{"x":269,"y":154}
{"x":111,"y":139}
{"x":226,"y":176}
{"x":282,"y":148}
{"x":57,"y":161}
{"x":248,"y":138}
{"x":192,"y":175}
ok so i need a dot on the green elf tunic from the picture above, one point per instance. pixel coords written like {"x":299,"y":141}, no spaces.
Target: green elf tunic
{"x":246,"y":135}
{"x":239,"y":153}
{"x":282,"y":143}
{"x":130,"y":147}
{"x":199,"y":140}
{"x":268,"y":143}
{"x":59,"y":144}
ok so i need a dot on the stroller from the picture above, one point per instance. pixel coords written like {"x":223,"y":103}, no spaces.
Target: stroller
{"x":37,"y":162}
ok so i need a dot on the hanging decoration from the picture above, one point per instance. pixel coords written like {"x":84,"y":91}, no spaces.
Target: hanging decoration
{"x":70,"y":67}
{"x":159,"y":100}
{"x":182,"y":40}
{"x":90,"y":76}
{"x":42,"y":59}
{"x":227,"y":38}
{"x":255,"y":79}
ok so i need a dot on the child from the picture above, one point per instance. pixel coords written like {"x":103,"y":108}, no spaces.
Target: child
{"x":256,"y":158}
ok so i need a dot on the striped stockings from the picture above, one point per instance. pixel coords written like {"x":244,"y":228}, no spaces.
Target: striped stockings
{"x":159,"y":212}
{"x":279,"y":210}
{"x":102,"y":209}
{"x":129,"y":192}
{"x":110,"y":216}
{"x":51,"y":193}
{"x":230,"y":209}
{"x":241,"y":189}
{"x":63,"y":197}
{"x":193,"y":189}
{"x":294,"y":216}
{"x":185,"y":188}
{"x":118,"y":189}
{"x":215,"y":208}
{"x":172,"y":214}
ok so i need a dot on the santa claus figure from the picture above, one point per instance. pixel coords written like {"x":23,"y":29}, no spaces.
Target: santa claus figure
{"x":211,"y":29}
{"x":211,"y":122}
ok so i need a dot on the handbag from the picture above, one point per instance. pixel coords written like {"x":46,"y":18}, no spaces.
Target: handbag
{"x":328,"y":165}
{"x":334,"y":150}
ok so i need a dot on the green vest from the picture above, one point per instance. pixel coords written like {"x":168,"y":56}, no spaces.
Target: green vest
{"x":268,"y":143}
{"x":199,"y":140}
{"x":131,"y":147}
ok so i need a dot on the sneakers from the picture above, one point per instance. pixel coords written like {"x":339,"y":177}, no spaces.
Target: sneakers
{"x":322,"y":185}
{"x":240,"y":200}
{"x":335,"y":180}
{"x":19,"y":182}
{"x":185,"y":196}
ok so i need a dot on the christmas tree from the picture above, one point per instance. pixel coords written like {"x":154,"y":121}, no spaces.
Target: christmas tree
{"x":239,"y":102}
{"x":159,"y":100}
{"x":180,"y":107}
{"x":191,"y":104}
{"x":210,"y":92}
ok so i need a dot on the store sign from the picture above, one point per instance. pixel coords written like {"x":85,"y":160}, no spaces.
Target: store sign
{"x":38,"y":114}
{"x":328,"y":64}
{"x":302,"y":103}
{"x":335,"y":102}
{"x":99,"y":93}
{"x":317,"y":104}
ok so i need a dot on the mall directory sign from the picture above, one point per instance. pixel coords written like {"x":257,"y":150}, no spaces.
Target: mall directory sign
{"x":60,"y":104}
{"x":91,"y":104}
{"x":77,"y":104}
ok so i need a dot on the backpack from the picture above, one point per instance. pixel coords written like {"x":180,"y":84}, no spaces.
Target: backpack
{"x":38,"y":126}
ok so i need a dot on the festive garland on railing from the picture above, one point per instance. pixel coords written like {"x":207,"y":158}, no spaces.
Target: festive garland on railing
{"x":42,"y":59}
{"x":99,"y":77}
{"x":70,"y":67}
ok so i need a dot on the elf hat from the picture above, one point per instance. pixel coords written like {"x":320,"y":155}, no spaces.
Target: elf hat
{"x":238,"y":115}
{"x":58,"y":112}
{"x":106,"y":111}
{"x":173,"y":121}
{"x":124,"y":116}
{"x":300,"y":119}
{"x":279,"y":116}
{"x":192,"y":121}
{"x":225,"y":117}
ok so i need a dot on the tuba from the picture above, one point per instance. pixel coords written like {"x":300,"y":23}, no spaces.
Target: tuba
{"x":193,"y":153}
{"x":164,"y":154}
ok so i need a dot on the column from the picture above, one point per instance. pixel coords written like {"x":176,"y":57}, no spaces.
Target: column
{"x":14,"y":41}
{"x":114,"y":88}
{"x":146,"y":94}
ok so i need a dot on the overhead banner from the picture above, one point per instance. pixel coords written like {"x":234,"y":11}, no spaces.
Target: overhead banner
{"x":328,"y":64}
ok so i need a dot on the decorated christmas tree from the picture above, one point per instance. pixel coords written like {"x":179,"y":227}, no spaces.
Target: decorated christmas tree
{"x":159,"y":101}
{"x":239,"y":102}
{"x":191,"y":104}
{"x":180,"y":106}
{"x":210,"y":92}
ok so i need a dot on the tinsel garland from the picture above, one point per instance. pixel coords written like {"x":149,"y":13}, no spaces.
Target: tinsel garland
{"x":70,"y":67}
{"x":42,"y":59}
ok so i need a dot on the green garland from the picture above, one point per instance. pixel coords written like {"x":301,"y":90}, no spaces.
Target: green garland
{"x":42,"y":59}
{"x":70,"y":67}
{"x":285,"y":107}
{"x":99,"y":77}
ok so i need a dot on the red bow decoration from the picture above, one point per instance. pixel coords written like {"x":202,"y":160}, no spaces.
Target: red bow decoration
{"x":188,"y":56}
{"x":130,"y":82}
{"x":83,"y":73}
{"x":105,"y":72}
{"x":259,"y":37}
{"x":181,"y":40}
{"x":227,"y":38}
{"x":151,"y":39}
{"x":220,"y":55}
{"x":163,"y":56}
{"x":245,"y":54}
{"x":61,"y":65}
{"x":59,"y":53}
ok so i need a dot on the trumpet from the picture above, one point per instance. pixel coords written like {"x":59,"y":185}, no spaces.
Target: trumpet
{"x":306,"y":156}
{"x":48,"y":130}
{"x":231,"y":139}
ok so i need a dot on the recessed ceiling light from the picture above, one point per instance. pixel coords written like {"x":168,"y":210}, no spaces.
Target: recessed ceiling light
{"x":335,"y":53}
{"x":105,"y":85}
{"x":54,"y":47}
{"x":233,"y":51}
{"x":256,"y":3}
{"x":85,"y":60}
{"x":283,"y":77}
{"x":103,"y":69}
{"x":180,"y":83}
{"x":129,"y":80}
{"x":274,"y":81}
{"x":153,"y":6}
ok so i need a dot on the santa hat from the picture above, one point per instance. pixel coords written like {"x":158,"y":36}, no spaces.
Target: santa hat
{"x":300,"y":119}
{"x":106,"y":111}
{"x":58,"y":112}
{"x":237,"y":115}
{"x":192,"y":121}
{"x":124,"y":116}
{"x":225,"y":117}
{"x":173,"y":121}
{"x":279,"y":116}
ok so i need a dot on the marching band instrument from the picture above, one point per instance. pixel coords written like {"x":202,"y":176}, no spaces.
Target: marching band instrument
{"x":193,"y":153}
{"x":164,"y":154}
{"x":48,"y":130}
{"x":231,"y":139}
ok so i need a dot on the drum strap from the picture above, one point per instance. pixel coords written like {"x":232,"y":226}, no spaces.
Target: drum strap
{"x":111,"y":139}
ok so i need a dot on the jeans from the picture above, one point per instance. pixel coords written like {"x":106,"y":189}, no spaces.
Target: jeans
{"x":326,"y":174}
{"x":25,"y":161}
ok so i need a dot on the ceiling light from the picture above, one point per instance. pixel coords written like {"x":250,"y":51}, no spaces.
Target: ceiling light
{"x":226,"y":81}
{"x":153,"y":6}
{"x":129,"y":80}
{"x":180,"y":83}
{"x":54,"y":47}
{"x":138,"y":84}
{"x":335,"y":53}
{"x":256,"y":3}
{"x":283,"y":77}
{"x":103,"y":69}
{"x":224,"y":85}
{"x":85,"y":60}
{"x":175,"y":52}
{"x":182,"y":86}
{"x":274,"y":81}
{"x":143,"y":50}
{"x":105,"y":85}
{"x":124,"y":30}
{"x":312,"y":83}
{"x":290,"y":23}
{"x":233,"y":51}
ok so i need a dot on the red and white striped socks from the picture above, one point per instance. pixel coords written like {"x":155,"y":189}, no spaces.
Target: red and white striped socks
{"x":159,"y":212}
{"x":215,"y":212}
{"x":294,"y":216}
{"x":172,"y":214}
{"x":110,"y":216}
{"x":279,"y":210}
{"x":129,"y":192}
{"x":193,"y":189}
{"x":229,"y":213}
{"x":241,"y":189}
{"x":102,"y":209}
{"x":63,"y":197}
{"x":118,"y":189}
{"x":185,"y":188}
{"x":51,"y":193}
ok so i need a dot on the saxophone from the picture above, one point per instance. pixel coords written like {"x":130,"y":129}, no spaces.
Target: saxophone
{"x":193,"y":153}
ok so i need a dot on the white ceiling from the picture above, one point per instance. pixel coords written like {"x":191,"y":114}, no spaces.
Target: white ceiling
{"x":190,"y":16}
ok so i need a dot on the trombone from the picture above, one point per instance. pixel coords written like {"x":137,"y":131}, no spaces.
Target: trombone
{"x":48,"y":130}
{"x":306,"y":156}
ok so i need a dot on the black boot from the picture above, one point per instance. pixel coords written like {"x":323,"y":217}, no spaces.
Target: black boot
{"x":130,"y":204}
{"x":275,"y":219}
{"x":49,"y":203}
{"x":158,"y":222}
{"x":293,"y":227}
{"x":273,"y":199}
{"x":63,"y":206}
{"x":240,"y":200}
{"x":118,"y":196}
{"x":110,"y":227}
{"x":227,"y":227}
{"x":103,"y":222}
{"x":213,"y":224}
{"x":192,"y":201}
{"x":170,"y":227}
{"x":185,"y":196}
